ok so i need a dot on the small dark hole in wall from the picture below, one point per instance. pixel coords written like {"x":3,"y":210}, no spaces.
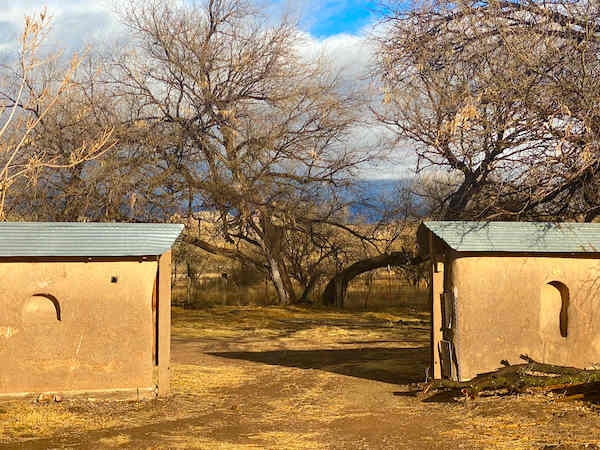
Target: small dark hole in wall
{"x":113,"y":279}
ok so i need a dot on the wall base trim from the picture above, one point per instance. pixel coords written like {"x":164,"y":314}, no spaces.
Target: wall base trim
{"x":116,"y":393}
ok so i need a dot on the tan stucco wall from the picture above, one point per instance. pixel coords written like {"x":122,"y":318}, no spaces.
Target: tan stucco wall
{"x":500,"y":315}
{"x":104,"y":337}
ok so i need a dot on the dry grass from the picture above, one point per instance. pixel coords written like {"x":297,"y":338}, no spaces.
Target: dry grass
{"x":188,"y":379}
{"x":290,"y":440}
{"x":307,"y":401}
{"x":116,"y":441}
{"x":382,"y":293}
{"x":233,"y":319}
{"x":272,"y":327}
{"x":515,"y":423}
{"x":25,"y":419}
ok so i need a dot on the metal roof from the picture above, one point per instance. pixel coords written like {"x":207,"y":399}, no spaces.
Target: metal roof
{"x":533,"y":237}
{"x":86,"y":239}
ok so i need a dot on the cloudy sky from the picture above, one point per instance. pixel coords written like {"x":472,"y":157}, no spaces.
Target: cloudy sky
{"x":335,"y":27}
{"x":81,"y":19}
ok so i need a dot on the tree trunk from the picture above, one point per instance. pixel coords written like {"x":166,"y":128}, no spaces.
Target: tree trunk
{"x":271,"y":245}
{"x":281,"y":281}
{"x":275,"y":267}
{"x":188,"y":297}
{"x":335,"y":291}
{"x":312,"y":282}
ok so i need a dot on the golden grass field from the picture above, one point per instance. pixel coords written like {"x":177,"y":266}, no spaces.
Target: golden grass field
{"x":254,"y":377}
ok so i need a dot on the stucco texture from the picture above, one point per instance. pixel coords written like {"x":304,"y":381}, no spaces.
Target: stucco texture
{"x":505,"y":307}
{"x":103,"y":339}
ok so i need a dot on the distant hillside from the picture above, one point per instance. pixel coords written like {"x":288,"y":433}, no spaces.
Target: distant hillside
{"x":366,"y":198}
{"x":370,"y":197}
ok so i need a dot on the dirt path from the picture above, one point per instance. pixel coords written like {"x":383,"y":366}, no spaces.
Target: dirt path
{"x":332,"y":384}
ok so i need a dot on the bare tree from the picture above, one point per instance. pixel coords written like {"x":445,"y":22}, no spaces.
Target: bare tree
{"x":27,"y":105}
{"x":503,"y":95}
{"x":499,"y":101}
{"x":113,"y":187}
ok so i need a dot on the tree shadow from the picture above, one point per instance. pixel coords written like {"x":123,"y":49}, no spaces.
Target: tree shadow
{"x":390,"y":365}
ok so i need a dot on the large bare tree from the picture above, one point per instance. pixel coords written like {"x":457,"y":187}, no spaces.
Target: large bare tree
{"x":235,"y":121}
{"x":499,"y":100}
{"x":503,"y":94}
{"x":118,"y":185}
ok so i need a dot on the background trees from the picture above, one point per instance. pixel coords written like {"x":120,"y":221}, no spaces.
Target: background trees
{"x":235,"y":121}
{"x":221,"y":120}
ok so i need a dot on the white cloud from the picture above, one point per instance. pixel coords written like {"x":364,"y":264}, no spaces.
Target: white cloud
{"x":349,"y":56}
{"x":9,"y":32}
{"x":74,"y":25}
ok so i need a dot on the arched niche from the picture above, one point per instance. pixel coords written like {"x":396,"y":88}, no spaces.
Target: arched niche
{"x":554,"y":310}
{"x":41,"y":309}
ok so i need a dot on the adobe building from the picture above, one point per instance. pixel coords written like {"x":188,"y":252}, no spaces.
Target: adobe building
{"x":85,"y":308}
{"x":502,"y":289}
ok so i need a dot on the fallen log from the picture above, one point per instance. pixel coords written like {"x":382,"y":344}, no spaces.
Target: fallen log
{"x":518,"y":378}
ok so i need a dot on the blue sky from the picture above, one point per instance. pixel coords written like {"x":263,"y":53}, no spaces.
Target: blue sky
{"x":330,"y":17}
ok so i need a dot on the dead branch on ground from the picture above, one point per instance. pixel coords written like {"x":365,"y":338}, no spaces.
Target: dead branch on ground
{"x":518,"y":378}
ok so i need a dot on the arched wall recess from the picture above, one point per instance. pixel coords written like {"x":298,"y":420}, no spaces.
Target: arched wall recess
{"x":41,"y":309}
{"x":563,"y":319}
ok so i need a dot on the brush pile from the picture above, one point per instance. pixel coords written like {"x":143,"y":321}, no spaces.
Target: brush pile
{"x":520,"y":378}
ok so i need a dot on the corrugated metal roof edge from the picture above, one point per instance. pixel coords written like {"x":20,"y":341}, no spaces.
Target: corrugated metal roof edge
{"x":492,"y":222}
{"x":152,"y":245}
{"x":98,"y":224}
{"x":426,"y":225}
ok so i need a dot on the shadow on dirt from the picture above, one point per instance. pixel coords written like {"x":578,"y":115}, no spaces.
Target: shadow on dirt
{"x":439,"y":397}
{"x":390,"y":365}
{"x":137,"y":437}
